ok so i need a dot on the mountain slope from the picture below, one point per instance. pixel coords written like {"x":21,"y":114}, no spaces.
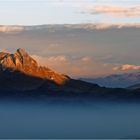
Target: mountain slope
{"x":134,"y":87}
{"x":113,"y":81}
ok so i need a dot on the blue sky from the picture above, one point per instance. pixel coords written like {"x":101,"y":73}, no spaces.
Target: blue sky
{"x":29,"y":12}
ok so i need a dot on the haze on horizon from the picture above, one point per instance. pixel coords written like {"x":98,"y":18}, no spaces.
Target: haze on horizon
{"x":109,"y":44}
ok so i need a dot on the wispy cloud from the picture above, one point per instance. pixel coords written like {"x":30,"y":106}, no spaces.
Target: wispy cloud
{"x":76,"y":67}
{"x":68,"y":65}
{"x":115,"y":10}
{"x":50,"y":60}
{"x":126,"y":67}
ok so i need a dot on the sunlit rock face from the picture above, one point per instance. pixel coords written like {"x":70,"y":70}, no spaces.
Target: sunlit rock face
{"x":23,"y":62}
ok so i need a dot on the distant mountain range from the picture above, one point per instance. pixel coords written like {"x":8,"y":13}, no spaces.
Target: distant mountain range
{"x":116,"y":80}
{"x":21,"y":76}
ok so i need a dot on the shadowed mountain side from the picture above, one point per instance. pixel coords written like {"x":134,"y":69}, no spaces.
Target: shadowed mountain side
{"x":134,"y":87}
{"x":19,"y":81}
{"x":76,"y":88}
{"x":16,"y":84}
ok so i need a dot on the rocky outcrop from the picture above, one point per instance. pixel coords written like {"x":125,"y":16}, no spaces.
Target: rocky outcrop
{"x":21,"y":61}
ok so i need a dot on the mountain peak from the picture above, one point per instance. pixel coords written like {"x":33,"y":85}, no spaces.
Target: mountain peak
{"x":21,"y":61}
{"x":22,"y":52}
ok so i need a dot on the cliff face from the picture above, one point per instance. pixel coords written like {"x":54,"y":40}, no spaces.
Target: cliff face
{"x":22,"y":62}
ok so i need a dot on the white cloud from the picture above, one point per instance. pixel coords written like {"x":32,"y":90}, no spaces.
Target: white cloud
{"x":126,"y":67}
{"x":115,"y":10}
{"x":60,"y":58}
{"x":86,"y":59}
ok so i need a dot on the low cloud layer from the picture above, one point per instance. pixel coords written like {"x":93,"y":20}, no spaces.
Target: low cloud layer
{"x":54,"y":28}
{"x":115,"y":10}
{"x":75,"y":67}
{"x":10,"y":29}
{"x":65,"y":64}
{"x":127,"y":67}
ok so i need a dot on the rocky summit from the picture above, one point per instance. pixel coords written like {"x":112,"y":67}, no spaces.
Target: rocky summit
{"x":21,"y":61}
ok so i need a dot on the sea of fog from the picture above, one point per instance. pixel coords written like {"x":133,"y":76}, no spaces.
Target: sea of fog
{"x":70,"y":119}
